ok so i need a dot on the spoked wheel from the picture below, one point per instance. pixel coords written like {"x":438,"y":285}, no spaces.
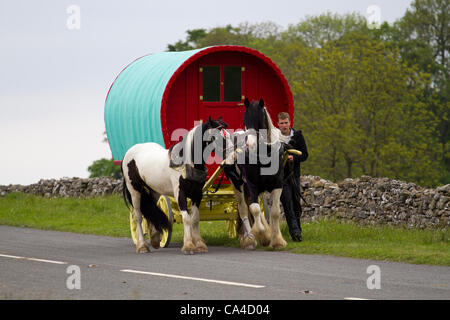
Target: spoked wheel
{"x":231,"y":228}
{"x":166,"y":235}
{"x":133,"y":226}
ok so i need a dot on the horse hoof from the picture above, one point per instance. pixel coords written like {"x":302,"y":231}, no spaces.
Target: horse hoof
{"x":264,"y":241}
{"x":249,"y":243}
{"x":143,"y":249}
{"x":156,"y":245}
{"x":278,"y":245}
{"x":188,"y":252}
{"x":250,"y":247}
{"x":188,"y":249}
{"x":201,"y":249}
{"x":263,"y":238}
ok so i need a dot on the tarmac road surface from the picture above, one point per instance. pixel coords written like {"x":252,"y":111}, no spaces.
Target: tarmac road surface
{"x":37,"y":264}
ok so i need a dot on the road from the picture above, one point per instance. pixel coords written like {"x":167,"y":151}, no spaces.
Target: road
{"x":37,"y":264}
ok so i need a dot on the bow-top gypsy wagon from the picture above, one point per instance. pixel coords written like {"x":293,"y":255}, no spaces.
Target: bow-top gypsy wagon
{"x":159,"y":93}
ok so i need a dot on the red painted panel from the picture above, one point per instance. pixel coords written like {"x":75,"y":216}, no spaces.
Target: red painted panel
{"x":261,"y":79}
{"x":226,"y":52}
{"x":229,"y":111}
{"x":271,"y":90}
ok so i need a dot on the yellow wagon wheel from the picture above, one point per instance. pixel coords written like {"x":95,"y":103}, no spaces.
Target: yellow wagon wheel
{"x":264,"y":206}
{"x":133,"y":226}
{"x":231,"y":228}
{"x":164,"y":205}
{"x":231,"y":224}
{"x":166,"y":235}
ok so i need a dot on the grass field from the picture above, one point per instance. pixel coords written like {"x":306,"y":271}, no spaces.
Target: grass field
{"x":108,"y":216}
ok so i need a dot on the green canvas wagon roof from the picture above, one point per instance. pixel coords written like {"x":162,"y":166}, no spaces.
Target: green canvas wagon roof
{"x":135,"y":107}
{"x":133,"y":104}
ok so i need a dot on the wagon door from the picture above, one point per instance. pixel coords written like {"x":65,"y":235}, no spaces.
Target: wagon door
{"x":221,"y":86}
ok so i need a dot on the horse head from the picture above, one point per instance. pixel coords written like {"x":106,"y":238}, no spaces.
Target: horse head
{"x":215,"y":134}
{"x":257,"y":123}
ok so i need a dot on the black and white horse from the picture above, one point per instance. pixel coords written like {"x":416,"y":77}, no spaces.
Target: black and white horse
{"x":259,"y":169}
{"x":149,"y":172}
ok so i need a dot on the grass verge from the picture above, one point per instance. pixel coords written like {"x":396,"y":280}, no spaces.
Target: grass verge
{"x":108,"y":216}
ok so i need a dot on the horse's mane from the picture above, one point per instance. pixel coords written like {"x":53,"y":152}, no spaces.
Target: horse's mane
{"x":253,"y":118}
{"x":189,"y":145}
{"x":272,"y":132}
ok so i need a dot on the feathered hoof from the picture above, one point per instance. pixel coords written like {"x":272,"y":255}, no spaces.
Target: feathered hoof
{"x":143,"y":249}
{"x":201,"y":247}
{"x":155,"y":241}
{"x":278,"y":245}
{"x":188,"y":248}
{"x":263,"y":238}
{"x":248,"y":243}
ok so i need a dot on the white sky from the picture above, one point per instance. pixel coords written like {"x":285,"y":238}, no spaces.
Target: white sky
{"x":53,"y":81}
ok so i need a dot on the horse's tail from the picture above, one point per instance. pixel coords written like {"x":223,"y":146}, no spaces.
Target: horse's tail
{"x":149,"y":208}
{"x":152,"y":212}
{"x":125,"y":192}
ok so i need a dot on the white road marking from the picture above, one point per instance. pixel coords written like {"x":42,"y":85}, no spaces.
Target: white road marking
{"x":196,"y":279}
{"x":32,"y":259}
{"x":353,"y":298}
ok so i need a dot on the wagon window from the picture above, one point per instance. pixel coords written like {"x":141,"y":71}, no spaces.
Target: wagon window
{"x":232,"y":80}
{"x":211,"y":83}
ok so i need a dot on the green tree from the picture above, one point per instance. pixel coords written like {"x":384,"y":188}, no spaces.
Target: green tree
{"x":104,"y":168}
{"x":360,"y":110}
{"x":316,"y":31}
{"x":193,"y":37}
{"x":370,"y":101}
{"x":423,"y":36}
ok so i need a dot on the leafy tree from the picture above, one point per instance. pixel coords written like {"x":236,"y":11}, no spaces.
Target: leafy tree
{"x":370,"y":101}
{"x":194,"y":36}
{"x":104,"y":168}
{"x":423,"y":36}
{"x":316,"y":31}
{"x":361,"y":112}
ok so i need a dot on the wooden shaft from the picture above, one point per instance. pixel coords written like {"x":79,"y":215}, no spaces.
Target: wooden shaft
{"x":213,"y":177}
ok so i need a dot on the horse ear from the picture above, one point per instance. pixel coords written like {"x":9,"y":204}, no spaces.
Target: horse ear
{"x":209,"y":119}
{"x":261,"y":103}
{"x":246,"y":103}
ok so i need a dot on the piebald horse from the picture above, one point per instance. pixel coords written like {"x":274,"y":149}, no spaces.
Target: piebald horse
{"x":149,"y":172}
{"x":264,"y":173}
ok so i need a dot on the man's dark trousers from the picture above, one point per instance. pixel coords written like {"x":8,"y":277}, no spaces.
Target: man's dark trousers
{"x":292,"y":207}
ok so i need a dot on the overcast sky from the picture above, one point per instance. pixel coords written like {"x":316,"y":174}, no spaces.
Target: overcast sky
{"x":54,"y":80}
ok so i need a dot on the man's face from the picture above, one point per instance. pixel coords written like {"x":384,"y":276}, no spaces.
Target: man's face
{"x":285,"y":126}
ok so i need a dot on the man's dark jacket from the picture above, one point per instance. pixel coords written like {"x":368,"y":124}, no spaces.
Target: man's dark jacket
{"x":298,"y":142}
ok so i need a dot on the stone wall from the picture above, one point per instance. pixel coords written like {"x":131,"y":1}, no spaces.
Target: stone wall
{"x":374,"y":201}
{"x":363,"y":200}
{"x":68,"y":187}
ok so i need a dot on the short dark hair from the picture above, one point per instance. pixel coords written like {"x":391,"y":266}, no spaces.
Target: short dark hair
{"x":283,"y":115}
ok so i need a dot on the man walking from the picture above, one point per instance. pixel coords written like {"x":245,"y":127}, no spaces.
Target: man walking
{"x":290,"y":197}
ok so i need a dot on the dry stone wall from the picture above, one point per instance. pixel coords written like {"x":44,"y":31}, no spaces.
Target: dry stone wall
{"x":376,"y":201}
{"x":364,"y":200}
{"x":68,"y":187}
